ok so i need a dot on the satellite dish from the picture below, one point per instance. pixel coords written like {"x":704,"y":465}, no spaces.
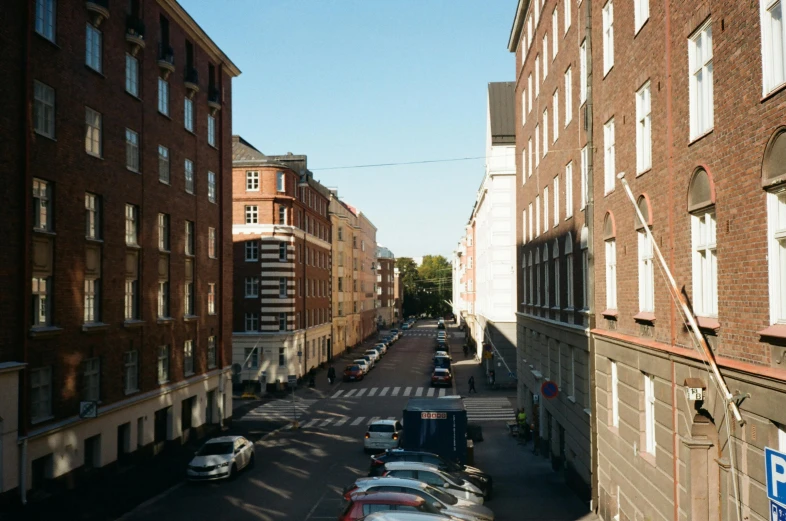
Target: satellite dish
{"x":236,"y":369}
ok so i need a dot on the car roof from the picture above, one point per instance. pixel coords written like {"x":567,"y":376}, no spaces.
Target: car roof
{"x":383,"y":498}
{"x":441,"y":370}
{"x":403,"y":516}
{"x":410,"y":465}
{"x":359,"y":360}
{"x":384,"y":422}
{"x":224,"y":439}
{"x":383,"y":481}
{"x":404,"y":452}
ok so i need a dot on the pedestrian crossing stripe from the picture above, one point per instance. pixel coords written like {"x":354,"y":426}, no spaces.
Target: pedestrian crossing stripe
{"x":386,"y":392}
{"x":278,"y":410}
{"x":489,"y":409}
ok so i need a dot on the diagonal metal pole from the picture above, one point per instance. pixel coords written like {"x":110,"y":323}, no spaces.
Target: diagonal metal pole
{"x":709,"y":355}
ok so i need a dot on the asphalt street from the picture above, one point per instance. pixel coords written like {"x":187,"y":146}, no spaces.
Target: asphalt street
{"x":300,"y":473}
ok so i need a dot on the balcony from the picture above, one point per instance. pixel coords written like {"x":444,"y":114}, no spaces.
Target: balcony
{"x":135,"y":34}
{"x":214,"y":99}
{"x":98,"y":10}
{"x":166,"y":59}
{"x":192,"y":82}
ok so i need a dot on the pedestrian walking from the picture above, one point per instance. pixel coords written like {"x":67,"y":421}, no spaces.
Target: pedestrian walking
{"x":521,"y":419}
{"x":472,"y":385}
{"x":331,"y":374}
{"x":466,"y":350}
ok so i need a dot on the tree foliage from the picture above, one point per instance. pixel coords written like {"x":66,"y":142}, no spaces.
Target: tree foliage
{"x":427,"y":287}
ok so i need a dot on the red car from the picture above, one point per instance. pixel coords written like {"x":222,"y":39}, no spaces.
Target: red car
{"x":441,"y":376}
{"x":353,"y":373}
{"x":362,"y":504}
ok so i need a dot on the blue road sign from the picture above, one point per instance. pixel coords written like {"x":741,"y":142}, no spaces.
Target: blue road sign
{"x":775,"y":467}
{"x":549,"y":390}
{"x":777,"y":512}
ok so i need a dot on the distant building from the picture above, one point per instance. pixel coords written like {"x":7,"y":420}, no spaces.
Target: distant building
{"x":398,"y":293}
{"x":387,"y":312}
{"x":282,"y":247}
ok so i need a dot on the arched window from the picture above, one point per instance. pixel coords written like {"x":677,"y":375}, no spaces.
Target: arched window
{"x":704,"y":260}
{"x":609,"y":238}
{"x":646,"y":267}
{"x":585,"y":268}
{"x":557,"y":273}
{"x":773,"y":170}
{"x":569,"y":270}
{"x":773,"y":178}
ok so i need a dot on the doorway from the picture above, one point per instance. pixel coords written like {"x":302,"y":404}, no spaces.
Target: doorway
{"x":211,"y":398}
{"x":123,"y":442}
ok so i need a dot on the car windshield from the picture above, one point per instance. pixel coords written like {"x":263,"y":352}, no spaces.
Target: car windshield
{"x":213,"y":449}
{"x":352,"y":368}
{"x":371,"y":352}
{"x":456,"y":477}
{"x":360,"y":362}
{"x":444,"y":497}
{"x":380,"y":427}
{"x":441,"y":372}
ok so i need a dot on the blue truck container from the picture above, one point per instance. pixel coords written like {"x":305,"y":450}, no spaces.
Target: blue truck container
{"x":437,"y":425}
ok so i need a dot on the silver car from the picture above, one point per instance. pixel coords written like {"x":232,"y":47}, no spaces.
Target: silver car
{"x":221,"y":458}
{"x":450,"y":482}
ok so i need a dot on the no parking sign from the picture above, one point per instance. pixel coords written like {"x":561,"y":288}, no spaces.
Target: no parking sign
{"x":549,"y":390}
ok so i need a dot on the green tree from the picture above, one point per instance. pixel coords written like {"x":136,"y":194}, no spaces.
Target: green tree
{"x":436,"y":275}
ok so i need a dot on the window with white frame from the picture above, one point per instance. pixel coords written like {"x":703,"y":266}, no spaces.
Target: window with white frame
{"x":188,"y":298}
{"x":523,"y":107}
{"x":608,"y":37}
{"x":188,"y":357}
{"x":163,"y":232}
{"x":567,"y":15}
{"x":211,"y":187}
{"x":705,"y":264}
{"x":163,"y":364}
{"x":583,"y":72}
{"x":252,"y":214}
{"x":537,"y":145}
{"x":252,"y":251}
{"x":545,"y":132}
{"x":537,"y":76}
{"x":584,"y":269}
{"x":282,"y":287}
{"x":649,"y":413}
{"x":188,"y":114}
{"x":555,"y":115}
{"x":529,"y":153}
{"x":132,"y":224}
{"x":93,"y":47}
{"x":615,"y":397}
{"x":641,"y":13}
{"x":584,"y":177}
{"x":92,"y":132}
{"x":545,"y":209}
{"x":773,"y":45}
{"x":92,"y":216}
{"x":701,"y":74}
{"x":252,"y":287}
{"x":252,"y":181}
{"x":282,"y":214}
{"x":609,"y":163}
{"x":282,"y":321}
{"x":252,"y":322}
{"x":569,"y":271}
{"x":546,"y":276}
{"x":211,"y":243}
{"x":776,"y":210}
{"x":646,"y":273}
{"x":251,"y":357}
{"x":190,"y":238}
{"x":163,"y":96}
{"x":91,"y":379}
{"x":569,"y":190}
{"x":43,"y":109}
{"x":211,"y":298}
{"x":523,"y":166}
{"x":611,"y":274}
{"x":163,"y":164}
{"x":555,"y":256}
{"x":131,"y":371}
{"x":537,"y":276}
{"x":163,"y":299}
{"x":529,"y":93}
{"x":556,"y":200}
{"x":280,"y":182}
{"x":524,"y":226}
{"x":643,"y":129}
{"x":568,"y":93}
{"x":45,"y":19}
{"x":132,"y":150}
{"x":531,"y":219}
{"x":554,"y":34}
{"x":40,"y":394}
{"x":537,"y":216}
{"x":282,"y":251}
{"x":132,"y":75}
{"x":529,"y":274}
{"x":188,"y":169}
{"x":92,"y":299}
{"x":211,"y":352}
{"x":545,"y":49}
{"x":211,"y":130}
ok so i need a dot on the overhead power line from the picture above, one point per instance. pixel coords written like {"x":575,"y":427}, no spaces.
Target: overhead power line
{"x":401,"y":164}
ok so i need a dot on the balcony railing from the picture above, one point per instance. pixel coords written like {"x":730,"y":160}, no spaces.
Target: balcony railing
{"x":135,"y":33}
{"x":98,"y":11}
{"x":166,"y":59}
{"x":192,"y":81}
{"x":214,"y":98}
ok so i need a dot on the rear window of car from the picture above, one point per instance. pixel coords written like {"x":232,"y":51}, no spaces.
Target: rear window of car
{"x":441,"y":372}
{"x":380,"y":427}
{"x":371,"y":352}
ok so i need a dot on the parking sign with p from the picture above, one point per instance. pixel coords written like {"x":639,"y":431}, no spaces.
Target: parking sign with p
{"x":775,"y":465}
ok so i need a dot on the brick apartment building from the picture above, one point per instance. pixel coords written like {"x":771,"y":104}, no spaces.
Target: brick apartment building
{"x":116,"y":261}
{"x":354,"y":253}
{"x":552,"y":232}
{"x":282,"y":247}
{"x":398,"y":295}
{"x":689,"y":104}
{"x":385,"y":299}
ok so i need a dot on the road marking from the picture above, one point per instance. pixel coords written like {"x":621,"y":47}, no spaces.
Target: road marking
{"x":430,"y":391}
{"x":350,"y":393}
{"x":337,"y":394}
{"x":391,"y":417}
{"x":407,"y":391}
{"x":395,"y":391}
{"x":310,"y":423}
{"x":326,"y":422}
{"x":372,"y":392}
{"x":384,"y":391}
{"x":373,"y":419}
{"x":357,"y":420}
{"x":361,"y":393}
{"x":442,"y":392}
{"x":419,"y":392}
{"x":341,"y":421}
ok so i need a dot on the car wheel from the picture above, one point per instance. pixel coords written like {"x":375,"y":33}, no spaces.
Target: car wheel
{"x":251,"y":462}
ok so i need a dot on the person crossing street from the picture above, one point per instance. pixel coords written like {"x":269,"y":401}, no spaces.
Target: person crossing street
{"x":472,"y":385}
{"x":331,"y":374}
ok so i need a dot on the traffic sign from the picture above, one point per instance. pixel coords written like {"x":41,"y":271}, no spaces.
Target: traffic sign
{"x":775,"y":467}
{"x":292,"y":380}
{"x":88,"y":409}
{"x":511,"y":375}
{"x":777,"y":512}
{"x":549,"y":390}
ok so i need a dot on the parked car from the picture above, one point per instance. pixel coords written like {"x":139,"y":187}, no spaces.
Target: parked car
{"x":406,"y":516}
{"x":482,"y":480}
{"x":383,"y":347}
{"x":447,"y":503}
{"x":452,"y":483}
{"x":441,"y":325}
{"x":441,"y":362}
{"x":441,"y":376}
{"x":444,"y":353}
{"x":405,"y":326}
{"x":374,"y":354}
{"x":363,"y":363}
{"x":353,"y":373}
{"x":221,"y":458}
{"x":383,"y":434}
{"x":364,"y":503}
{"x":396,"y":332}
{"x":369,"y":359}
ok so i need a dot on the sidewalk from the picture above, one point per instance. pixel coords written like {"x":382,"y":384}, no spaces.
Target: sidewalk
{"x":464,"y":367}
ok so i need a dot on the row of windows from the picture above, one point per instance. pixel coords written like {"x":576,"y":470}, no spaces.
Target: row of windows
{"x":313,"y":317}
{"x":307,"y":195}
{"x":542,"y":269}
{"x":309,"y":224}
{"x":314,"y":287}
{"x":91,"y":382}
{"x":312,"y":257}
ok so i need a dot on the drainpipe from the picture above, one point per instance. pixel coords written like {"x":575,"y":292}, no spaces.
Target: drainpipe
{"x":220,"y":304}
{"x":589,"y":214}
{"x":23,"y":472}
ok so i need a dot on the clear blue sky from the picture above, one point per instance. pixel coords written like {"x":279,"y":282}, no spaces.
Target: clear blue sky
{"x":355,"y":82}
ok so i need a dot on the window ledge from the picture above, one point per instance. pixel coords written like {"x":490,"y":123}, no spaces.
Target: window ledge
{"x":610,"y":313}
{"x":710,"y":323}
{"x":167,"y":116}
{"x":133,"y":95}
{"x":47,"y":40}
{"x":51,"y":138}
{"x":649,"y":458}
{"x":556,"y":308}
{"x":161,"y":250}
{"x":774,"y":331}
{"x":130,"y":391}
{"x":646,"y":170}
{"x":134,"y":246}
{"x":94,"y":71}
{"x":700,"y":137}
{"x":93,"y":239}
{"x":43,"y":419}
{"x":644,"y":316}
{"x":572,"y":399}
{"x":94,"y":156}
{"x":45,"y":331}
{"x":189,"y":373}
{"x":190,"y":318}
{"x":92,"y":327}
{"x":163,"y":382}
{"x":775,"y":90}
{"x":189,"y":255}
{"x":165,"y":320}
{"x":40,"y":231}
{"x":133,"y":323}
{"x":164,"y":182}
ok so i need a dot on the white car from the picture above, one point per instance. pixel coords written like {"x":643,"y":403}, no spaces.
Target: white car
{"x":221,"y":458}
{"x":364,"y":365}
{"x":404,"y":516}
{"x":383,"y":434}
{"x":383,"y":346}
{"x":374,"y":354}
{"x":443,"y":353}
{"x":450,"y":482}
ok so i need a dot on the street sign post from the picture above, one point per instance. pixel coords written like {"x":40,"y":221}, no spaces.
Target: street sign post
{"x":775,"y":469}
{"x":549,"y":390}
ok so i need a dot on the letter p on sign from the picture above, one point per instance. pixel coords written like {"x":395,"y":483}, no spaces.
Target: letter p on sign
{"x":775,"y":463}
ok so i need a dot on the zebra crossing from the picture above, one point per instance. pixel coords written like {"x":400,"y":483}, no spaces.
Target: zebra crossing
{"x":489,"y":409}
{"x":343,"y":420}
{"x":278,"y":410}
{"x":414,"y":392}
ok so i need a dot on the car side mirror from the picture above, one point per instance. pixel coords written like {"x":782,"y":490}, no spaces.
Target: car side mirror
{"x":446,"y":485}
{"x":438,"y":505}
